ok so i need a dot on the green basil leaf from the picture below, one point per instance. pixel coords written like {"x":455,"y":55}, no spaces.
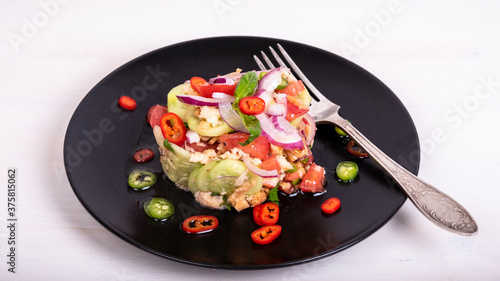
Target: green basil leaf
{"x":247,"y":84}
{"x":273,"y":195}
{"x":252,"y":125}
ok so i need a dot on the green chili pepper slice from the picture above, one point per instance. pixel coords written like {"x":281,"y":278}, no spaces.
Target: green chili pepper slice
{"x":141,"y":178}
{"x":159,"y":208}
{"x":347,"y":171}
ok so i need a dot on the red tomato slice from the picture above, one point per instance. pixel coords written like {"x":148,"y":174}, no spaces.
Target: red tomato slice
{"x":330,"y":205}
{"x":127,"y":102}
{"x":155,"y":113}
{"x":314,"y":179}
{"x":196,"y":82}
{"x":293,"y":89}
{"x":206,"y":90}
{"x":266,"y":234}
{"x":200,"y":224}
{"x":294,"y":108}
{"x":269,"y":214}
{"x":259,"y":148}
{"x":252,"y":105}
{"x":270,"y":163}
{"x":292,"y":176}
{"x":173,"y":128}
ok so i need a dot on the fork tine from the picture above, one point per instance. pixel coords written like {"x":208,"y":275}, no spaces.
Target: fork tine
{"x":268,"y":61}
{"x":259,"y":62}
{"x":297,"y":70}
{"x":277,"y":57}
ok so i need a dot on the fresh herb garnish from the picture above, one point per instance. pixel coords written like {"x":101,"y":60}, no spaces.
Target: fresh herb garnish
{"x":166,"y":144}
{"x":273,"y":195}
{"x":246,"y":86}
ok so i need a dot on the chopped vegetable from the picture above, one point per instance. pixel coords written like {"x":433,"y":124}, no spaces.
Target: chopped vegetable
{"x":252,"y":105}
{"x":141,"y":179}
{"x":257,"y":210}
{"x":266,"y":234}
{"x":293,"y":89}
{"x":330,"y":205}
{"x":127,"y":102}
{"x":159,"y":208}
{"x":200,"y":224}
{"x":356,"y":150}
{"x":143,"y":155}
{"x":314,"y":179}
{"x":347,"y":171}
{"x":155,"y":113}
{"x":269,"y":214}
{"x":196,"y":82}
{"x":173,"y":128}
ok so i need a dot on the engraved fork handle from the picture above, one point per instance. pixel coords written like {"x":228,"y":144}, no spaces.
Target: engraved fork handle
{"x":438,"y":207}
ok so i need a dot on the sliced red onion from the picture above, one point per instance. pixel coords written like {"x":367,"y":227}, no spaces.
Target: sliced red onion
{"x":231,"y":117}
{"x":270,"y":80}
{"x":275,"y":109}
{"x":221,"y":80}
{"x":220,"y":95}
{"x":290,"y":141}
{"x":281,"y":99}
{"x":201,"y":101}
{"x":258,"y":171}
{"x":309,"y":121}
{"x":264,"y":95}
{"x":282,"y":124}
{"x":192,"y":136}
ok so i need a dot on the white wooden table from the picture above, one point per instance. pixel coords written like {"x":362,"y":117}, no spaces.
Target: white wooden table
{"x":441,"y":59}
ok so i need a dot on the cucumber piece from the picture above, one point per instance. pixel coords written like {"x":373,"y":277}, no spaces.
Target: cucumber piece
{"x":257,"y":180}
{"x":192,"y":180}
{"x":203,"y":177}
{"x":225,"y":173}
{"x":176,"y":165}
{"x":194,"y":124}
{"x":305,"y":97}
{"x":175,"y":105}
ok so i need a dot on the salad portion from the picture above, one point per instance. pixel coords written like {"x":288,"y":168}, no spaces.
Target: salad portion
{"x":236,"y":138}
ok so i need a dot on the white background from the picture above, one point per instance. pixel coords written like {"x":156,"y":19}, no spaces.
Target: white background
{"x":432,"y":55}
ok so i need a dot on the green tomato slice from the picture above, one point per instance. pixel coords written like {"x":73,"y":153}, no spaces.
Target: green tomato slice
{"x":347,"y":171}
{"x":159,"y":208}
{"x":141,"y":179}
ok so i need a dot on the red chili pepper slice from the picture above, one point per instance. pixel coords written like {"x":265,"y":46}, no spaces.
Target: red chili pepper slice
{"x":143,"y":155}
{"x":330,"y":205}
{"x":252,"y":105}
{"x":196,"y":82}
{"x":127,"y":102}
{"x":356,"y":150}
{"x":266,"y":234}
{"x":173,"y":128}
{"x":200,"y":224}
{"x":257,"y":210}
{"x":269,"y":213}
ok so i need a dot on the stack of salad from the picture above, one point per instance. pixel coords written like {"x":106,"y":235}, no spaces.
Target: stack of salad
{"x":233,"y":139}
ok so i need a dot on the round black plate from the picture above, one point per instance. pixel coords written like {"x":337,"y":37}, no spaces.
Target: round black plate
{"x":101,"y":138}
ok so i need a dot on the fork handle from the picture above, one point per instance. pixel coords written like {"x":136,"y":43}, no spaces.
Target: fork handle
{"x":438,"y":207}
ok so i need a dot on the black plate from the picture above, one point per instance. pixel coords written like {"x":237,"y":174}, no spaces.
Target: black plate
{"x":101,"y":138}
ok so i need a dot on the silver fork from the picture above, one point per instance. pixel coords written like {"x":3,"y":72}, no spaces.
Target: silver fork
{"x":435,"y":205}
